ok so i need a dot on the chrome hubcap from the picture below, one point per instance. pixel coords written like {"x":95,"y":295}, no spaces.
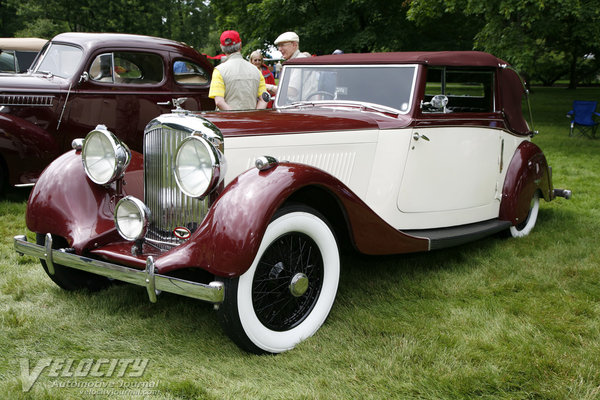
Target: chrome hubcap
{"x":299,"y":284}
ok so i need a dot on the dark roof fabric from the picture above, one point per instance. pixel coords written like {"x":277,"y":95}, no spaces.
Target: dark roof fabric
{"x":449,"y":58}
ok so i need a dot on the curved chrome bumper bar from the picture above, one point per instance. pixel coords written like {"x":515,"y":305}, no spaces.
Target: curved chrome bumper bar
{"x":154,"y":283}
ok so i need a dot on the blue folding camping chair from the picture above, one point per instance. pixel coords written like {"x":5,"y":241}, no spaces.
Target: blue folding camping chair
{"x":582,"y":118}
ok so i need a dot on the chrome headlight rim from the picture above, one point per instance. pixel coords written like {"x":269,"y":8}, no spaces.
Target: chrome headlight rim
{"x":143,"y":213}
{"x":118,"y":156}
{"x":214,"y":171}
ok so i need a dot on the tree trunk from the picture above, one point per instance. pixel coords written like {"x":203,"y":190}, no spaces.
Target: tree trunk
{"x":573,"y":72}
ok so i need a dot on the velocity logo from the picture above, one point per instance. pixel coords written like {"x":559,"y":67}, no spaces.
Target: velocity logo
{"x":87,"y":367}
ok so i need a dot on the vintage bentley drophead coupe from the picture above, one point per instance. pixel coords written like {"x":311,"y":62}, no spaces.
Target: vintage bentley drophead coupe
{"x":391,"y":153}
{"x":80,"y":80}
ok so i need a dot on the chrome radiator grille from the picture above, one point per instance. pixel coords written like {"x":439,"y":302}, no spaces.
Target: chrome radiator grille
{"x":169,"y":207}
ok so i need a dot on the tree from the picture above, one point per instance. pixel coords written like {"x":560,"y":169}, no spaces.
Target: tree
{"x":527,"y":33}
{"x":8,"y":20}
{"x":183,"y":20}
{"x":349,"y":25}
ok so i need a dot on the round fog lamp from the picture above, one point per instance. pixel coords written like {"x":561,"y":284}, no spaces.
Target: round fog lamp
{"x":197,"y":167}
{"x":131,"y":218}
{"x":104,"y":156}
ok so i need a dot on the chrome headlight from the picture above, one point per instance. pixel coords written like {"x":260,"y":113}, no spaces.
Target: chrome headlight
{"x":197,"y":167}
{"x":131,"y":218}
{"x":104,"y":156}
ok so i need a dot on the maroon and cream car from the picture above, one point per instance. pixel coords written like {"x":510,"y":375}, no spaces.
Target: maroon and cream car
{"x":391,"y":153}
{"x":82,"y":79}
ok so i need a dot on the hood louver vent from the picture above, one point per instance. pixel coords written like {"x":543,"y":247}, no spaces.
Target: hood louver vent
{"x":25,"y":100}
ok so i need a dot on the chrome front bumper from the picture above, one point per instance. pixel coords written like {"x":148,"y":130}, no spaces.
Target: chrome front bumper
{"x":154,"y":283}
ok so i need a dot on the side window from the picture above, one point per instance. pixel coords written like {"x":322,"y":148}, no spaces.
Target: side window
{"x":190,"y":73}
{"x":467,"y":90}
{"x":128,"y":68}
{"x":101,"y":68}
{"x":8,"y":62}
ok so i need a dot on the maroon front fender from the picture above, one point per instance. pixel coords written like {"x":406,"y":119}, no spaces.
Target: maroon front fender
{"x":528,"y":171}
{"x":26,"y":148}
{"x":229,"y":237}
{"x":66,"y":203}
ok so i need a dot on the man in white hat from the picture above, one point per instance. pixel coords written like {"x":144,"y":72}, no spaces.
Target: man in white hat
{"x":288,"y":44}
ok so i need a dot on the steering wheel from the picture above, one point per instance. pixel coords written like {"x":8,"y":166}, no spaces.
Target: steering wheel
{"x":321,"y":92}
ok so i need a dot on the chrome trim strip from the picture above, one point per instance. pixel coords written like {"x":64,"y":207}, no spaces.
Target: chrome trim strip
{"x":213,"y":292}
{"x":160,"y":244}
{"x":288,"y":70}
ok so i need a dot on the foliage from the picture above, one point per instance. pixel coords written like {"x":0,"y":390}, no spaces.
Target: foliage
{"x":494,"y":319}
{"x":550,"y":67}
{"x":525,"y":32}
{"x":544,"y":39}
{"x":349,"y":25}
{"x":184,"y":20}
{"x":8,"y":21}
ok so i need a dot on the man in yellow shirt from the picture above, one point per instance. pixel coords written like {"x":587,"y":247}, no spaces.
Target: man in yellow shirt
{"x":236,"y":83}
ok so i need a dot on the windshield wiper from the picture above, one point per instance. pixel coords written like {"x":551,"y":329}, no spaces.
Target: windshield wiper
{"x":47,"y":74}
{"x":381,"y":109}
{"x":362,"y":106}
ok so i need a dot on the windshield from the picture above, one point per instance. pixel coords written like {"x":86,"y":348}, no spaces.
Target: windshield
{"x":387,"y":85}
{"x":59,"y":60}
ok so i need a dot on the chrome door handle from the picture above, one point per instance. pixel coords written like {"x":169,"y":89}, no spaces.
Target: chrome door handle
{"x":417,"y":136}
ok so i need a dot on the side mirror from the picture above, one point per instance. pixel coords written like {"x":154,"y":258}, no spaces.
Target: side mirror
{"x":437,"y":103}
{"x":266,"y":96}
{"x":84,"y":77}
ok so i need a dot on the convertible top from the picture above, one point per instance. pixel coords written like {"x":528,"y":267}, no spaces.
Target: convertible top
{"x":448,"y":58}
{"x":22,"y":44}
{"x":511,"y":86}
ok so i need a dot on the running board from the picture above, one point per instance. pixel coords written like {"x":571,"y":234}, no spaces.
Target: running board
{"x":457,"y":235}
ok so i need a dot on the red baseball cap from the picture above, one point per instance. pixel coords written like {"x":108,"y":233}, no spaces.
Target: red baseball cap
{"x":230,"y":37}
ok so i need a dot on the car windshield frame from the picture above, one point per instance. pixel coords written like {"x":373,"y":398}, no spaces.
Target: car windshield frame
{"x":349,"y":84}
{"x":59,"y":59}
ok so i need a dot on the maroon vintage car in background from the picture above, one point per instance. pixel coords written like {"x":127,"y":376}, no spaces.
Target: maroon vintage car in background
{"x":390,"y":152}
{"x":82,"y":79}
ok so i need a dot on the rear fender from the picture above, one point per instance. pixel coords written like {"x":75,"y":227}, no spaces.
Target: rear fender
{"x":228,"y":239}
{"x":527,"y":172}
{"x":66,"y":203}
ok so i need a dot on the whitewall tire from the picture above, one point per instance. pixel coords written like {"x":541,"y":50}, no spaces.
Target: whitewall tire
{"x":524,"y":228}
{"x":288,"y":291}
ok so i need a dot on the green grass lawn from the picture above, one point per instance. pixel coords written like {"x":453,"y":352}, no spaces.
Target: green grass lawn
{"x":498,"y":318}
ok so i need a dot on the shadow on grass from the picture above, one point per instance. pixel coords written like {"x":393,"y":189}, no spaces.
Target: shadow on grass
{"x":395,"y":272}
{"x":15,"y":194}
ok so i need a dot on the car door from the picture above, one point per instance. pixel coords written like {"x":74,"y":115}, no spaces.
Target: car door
{"x":453,"y":167}
{"x":124,"y":91}
{"x":191,"y":80}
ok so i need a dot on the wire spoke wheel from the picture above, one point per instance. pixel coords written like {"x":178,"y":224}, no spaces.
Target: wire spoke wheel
{"x":287,"y":282}
{"x":288,"y":291}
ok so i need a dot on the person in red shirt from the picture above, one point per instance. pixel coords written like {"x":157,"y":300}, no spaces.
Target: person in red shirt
{"x":257,"y":59}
